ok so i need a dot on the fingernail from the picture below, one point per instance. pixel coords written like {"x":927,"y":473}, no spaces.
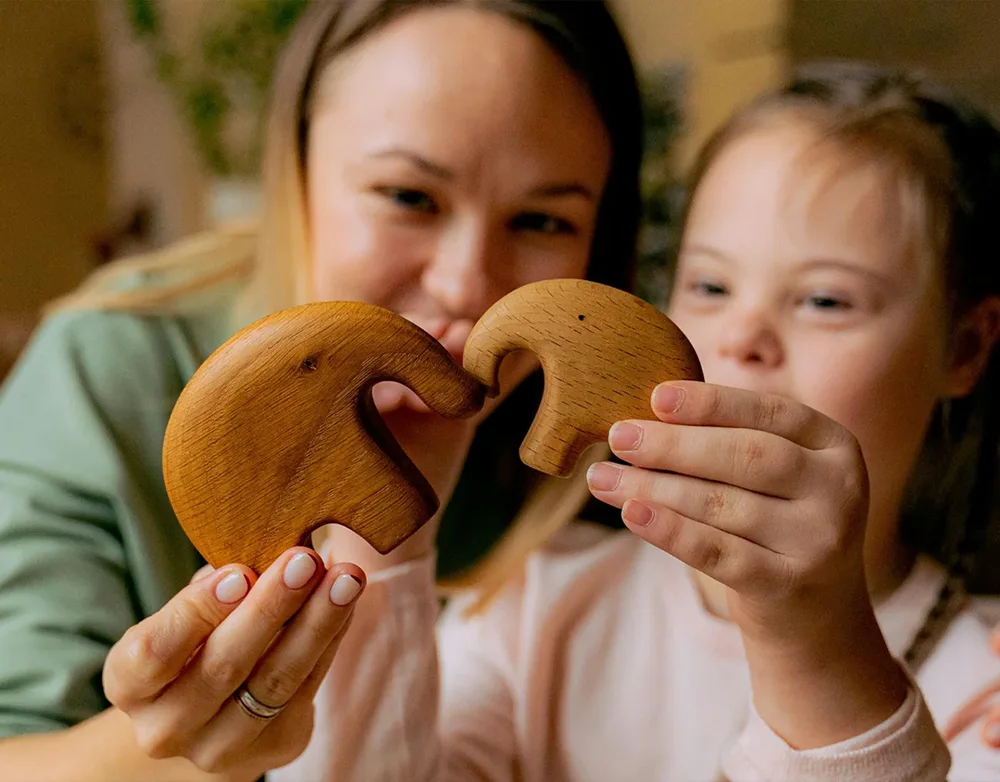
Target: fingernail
{"x":991,"y":734}
{"x":667,"y":398}
{"x":603,"y":476}
{"x":636,"y":513}
{"x":345,"y":588}
{"x":298,"y":571}
{"x":624,"y":437}
{"x":232,"y":588}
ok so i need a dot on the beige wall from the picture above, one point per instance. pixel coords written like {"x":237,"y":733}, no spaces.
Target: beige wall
{"x":53,"y":180}
{"x":732,"y":49}
{"x":151,"y":152}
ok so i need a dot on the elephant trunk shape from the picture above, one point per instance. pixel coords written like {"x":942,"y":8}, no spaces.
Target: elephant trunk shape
{"x":276,"y":434}
{"x":602,"y":352}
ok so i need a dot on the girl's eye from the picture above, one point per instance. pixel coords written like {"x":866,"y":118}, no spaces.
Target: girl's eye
{"x":407,"y":198}
{"x":707,"y":288}
{"x":543,"y":223}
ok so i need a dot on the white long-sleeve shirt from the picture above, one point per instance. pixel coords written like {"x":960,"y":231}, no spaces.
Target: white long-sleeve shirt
{"x":602,"y":664}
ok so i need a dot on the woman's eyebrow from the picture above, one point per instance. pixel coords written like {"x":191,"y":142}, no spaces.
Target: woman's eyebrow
{"x":560,"y":189}
{"x":418,"y":160}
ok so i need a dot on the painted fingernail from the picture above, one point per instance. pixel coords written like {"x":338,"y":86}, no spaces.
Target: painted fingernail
{"x":232,"y":588}
{"x":624,"y":436}
{"x":603,"y":476}
{"x":298,"y":571}
{"x":991,"y":733}
{"x":345,"y":588}
{"x":637,"y":513}
{"x":667,"y":398}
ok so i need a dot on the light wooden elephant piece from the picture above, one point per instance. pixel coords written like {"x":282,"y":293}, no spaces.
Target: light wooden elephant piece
{"x":602,"y":351}
{"x":276,"y":434}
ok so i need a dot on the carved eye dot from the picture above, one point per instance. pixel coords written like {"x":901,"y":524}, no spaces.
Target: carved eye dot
{"x":580,"y":317}
{"x":309,"y":365}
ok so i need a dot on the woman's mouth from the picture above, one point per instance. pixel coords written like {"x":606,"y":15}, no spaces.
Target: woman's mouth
{"x":389,"y":396}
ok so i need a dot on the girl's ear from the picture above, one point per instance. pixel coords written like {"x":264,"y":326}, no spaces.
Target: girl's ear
{"x":976,"y":335}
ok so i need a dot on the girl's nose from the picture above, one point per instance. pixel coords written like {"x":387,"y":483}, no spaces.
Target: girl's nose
{"x":749,"y":338}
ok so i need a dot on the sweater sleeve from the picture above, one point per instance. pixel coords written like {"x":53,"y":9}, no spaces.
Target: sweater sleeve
{"x":74,"y":420}
{"x":904,"y":748}
{"x":408,"y":698}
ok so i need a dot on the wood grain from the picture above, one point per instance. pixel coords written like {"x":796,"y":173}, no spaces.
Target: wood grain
{"x":276,"y":433}
{"x":602,"y":351}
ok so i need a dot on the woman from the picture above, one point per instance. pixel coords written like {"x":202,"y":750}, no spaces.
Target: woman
{"x":427,"y":157}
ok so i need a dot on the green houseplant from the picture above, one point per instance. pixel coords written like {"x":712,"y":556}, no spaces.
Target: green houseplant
{"x":220,"y":75}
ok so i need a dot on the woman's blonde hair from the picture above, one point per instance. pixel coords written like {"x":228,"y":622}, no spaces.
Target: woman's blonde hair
{"x":271,"y":262}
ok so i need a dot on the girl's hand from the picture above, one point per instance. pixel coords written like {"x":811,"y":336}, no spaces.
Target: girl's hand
{"x":758,"y":492}
{"x":770,"y":498}
{"x":178,"y":674}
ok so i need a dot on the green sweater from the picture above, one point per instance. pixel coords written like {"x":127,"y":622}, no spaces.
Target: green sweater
{"x":89,"y":544}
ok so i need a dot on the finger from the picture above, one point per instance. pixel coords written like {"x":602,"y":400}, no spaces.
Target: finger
{"x":230,"y":653}
{"x":285,"y":667}
{"x":154,"y":652}
{"x":291,"y":670}
{"x":727,"y":508}
{"x":203,"y":572}
{"x":693,"y":403}
{"x":731,"y":560}
{"x":757,"y":461}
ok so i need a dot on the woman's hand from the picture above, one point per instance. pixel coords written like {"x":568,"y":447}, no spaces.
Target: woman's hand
{"x":178,"y":674}
{"x":984,"y":705}
{"x":770,"y":498}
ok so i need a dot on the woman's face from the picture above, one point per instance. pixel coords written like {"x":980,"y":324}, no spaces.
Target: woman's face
{"x":452,"y":158}
{"x":791,"y":282}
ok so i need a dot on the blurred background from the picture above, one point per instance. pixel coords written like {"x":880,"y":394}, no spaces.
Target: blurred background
{"x":126,"y":124}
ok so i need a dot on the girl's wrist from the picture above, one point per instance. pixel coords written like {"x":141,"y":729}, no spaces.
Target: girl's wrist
{"x":833,"y":682}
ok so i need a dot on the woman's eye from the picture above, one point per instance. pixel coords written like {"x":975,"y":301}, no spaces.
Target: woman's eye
{"x":543,"y":223}
{"x":407,"y":198}
{"x":828,"y":303}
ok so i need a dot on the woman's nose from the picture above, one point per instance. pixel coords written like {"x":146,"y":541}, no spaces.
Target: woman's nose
{"x":461,"y":274}
{"x":748,"y":337}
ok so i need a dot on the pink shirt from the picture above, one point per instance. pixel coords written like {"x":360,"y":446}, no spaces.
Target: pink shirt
{"x":602,"y":664}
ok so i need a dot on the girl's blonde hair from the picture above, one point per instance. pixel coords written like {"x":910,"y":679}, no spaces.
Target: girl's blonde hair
{"x":270,"y":262}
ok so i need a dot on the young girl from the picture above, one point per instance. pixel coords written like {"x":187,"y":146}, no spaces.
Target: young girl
{"x":838,"y":278}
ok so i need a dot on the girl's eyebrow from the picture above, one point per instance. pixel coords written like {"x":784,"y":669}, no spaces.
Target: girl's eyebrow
{"x":842,"y":265}
{"x":704,"y":249}
{"x":807,"y":265}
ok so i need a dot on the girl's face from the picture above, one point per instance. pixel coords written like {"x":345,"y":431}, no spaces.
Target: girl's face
{"x":452,"y":158}
{"x":791,"y":281}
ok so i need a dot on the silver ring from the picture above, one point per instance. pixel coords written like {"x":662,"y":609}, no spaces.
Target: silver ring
{"x":253,"y":707}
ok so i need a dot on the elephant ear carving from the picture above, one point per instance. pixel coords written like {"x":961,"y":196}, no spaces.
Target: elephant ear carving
{"x":276,"y":434}
{"x":602,"y":352}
